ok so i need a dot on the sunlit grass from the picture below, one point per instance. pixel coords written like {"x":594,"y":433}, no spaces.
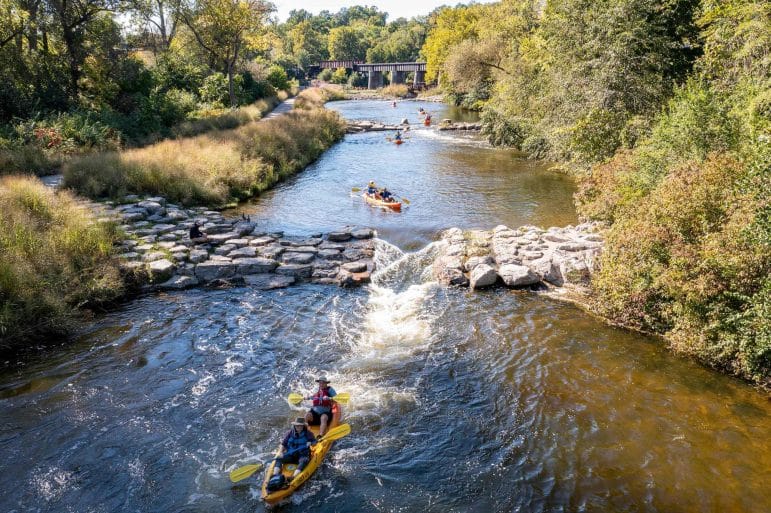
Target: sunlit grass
{"x":214,"y":168}
{"x":55,"y":257}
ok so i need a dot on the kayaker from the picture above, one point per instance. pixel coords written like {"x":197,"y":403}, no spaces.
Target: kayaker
{"x":321,"y":411}
{"x":398,"y":136}
{"x":372,"y":188}
{"x":196,"y":235}
{"x":295,"y":448}
{"x":394,"y":104}
{"x":386,"y":195}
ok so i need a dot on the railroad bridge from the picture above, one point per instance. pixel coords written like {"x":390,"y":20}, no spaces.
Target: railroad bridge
{"x":375,"y":71}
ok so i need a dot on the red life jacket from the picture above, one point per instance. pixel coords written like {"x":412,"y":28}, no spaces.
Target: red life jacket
{"x":318,"y":401}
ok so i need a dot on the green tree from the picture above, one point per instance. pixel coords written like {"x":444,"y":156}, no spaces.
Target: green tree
{"x":348,"y":43}
{"x":223,"y":28}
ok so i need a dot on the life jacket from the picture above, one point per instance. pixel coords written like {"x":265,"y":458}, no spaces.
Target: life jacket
{"x":318,"y":401}
{"x":296,"y":443}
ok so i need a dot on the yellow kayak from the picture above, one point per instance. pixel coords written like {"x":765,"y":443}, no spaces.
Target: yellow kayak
{"x":318,"y":452}
{"x":393,"y":205}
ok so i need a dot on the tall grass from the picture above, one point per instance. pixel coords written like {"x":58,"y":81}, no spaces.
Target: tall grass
{"x":42,"y":146}
{"x":395,"y":90}
{"x":211,"y":169}
{"x":54,"y":259}
{"x":316,"y":97}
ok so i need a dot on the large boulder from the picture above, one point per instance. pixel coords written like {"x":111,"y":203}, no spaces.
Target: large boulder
{"x":448,"y":270}
{"x":482,"y":276}
{"x":179,"y":282}
{"x":517,"y":275}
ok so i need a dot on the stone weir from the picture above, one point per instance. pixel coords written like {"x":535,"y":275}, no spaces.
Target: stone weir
{"x":160,"y":254}
{"x":524,"y":257}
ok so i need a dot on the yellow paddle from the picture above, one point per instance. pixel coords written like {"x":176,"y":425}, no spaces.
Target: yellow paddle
{"x":355,"y":189}
{"x":333,"y":434}
{"x":295,"y":398}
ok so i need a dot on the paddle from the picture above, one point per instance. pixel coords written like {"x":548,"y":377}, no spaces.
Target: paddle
{"x":333,"y":434}
{"x":295,"y":398}
{"x":355,"y":189}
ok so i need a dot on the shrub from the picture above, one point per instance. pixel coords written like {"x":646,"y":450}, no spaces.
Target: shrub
{"x":316,"y":97}
{"x":54,"y":259}
{"x":325,"y":75}
{"x":504,"y":130}
{"x":340,"y":76}
{"x":278,"y":78}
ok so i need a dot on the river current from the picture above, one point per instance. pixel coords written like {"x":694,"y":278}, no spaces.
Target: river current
{"x":460,"y":402}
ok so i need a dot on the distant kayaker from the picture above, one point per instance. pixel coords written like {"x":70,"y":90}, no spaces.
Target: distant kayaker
{"x":295,"y":448}
{"x":398,"y":136}
{"x":321,"y":412}
{"x":196,"y":235}
{"x":386,"y":195}
{"x":394,"y":104}
{"x":371,"y":188}
{"x":421,"y":110}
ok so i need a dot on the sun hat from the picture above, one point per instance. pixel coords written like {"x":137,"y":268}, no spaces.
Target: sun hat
{"x":299,"y":421}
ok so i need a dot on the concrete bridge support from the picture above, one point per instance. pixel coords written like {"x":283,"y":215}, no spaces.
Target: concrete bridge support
{"x":375,"y":80}
{"x":420,"y":77}
{"x":397,"y":77}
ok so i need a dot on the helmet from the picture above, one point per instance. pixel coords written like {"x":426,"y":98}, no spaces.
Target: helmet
{"x":372,"y":183}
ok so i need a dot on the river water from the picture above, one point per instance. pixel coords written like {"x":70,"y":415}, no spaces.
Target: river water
{"x":494,"y":401}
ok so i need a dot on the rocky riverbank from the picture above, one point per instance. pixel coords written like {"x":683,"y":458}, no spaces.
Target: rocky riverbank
{"x":448,"y":124}
{"x":357,"y":127}
{"x":524,"y":257}
{"x":158,"y":254}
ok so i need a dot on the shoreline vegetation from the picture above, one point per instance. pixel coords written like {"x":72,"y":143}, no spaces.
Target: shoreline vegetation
{"x":662,"y":113}
{"x":216,"y":168}
{"x":57,"y":261}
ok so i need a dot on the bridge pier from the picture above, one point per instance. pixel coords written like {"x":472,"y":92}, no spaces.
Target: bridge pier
{"x":420,"y":77}
{"x":375,"y":80}
{"x":397,"y":77}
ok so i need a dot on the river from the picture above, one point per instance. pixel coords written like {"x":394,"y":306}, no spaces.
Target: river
{"x":461,"y":402}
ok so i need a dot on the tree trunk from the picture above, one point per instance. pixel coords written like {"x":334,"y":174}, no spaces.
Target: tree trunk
{"x":231,"y":89}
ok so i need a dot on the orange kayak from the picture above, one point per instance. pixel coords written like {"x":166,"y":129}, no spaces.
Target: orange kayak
{"x":396,"y":206}
{"x":318,"y":452}
{"x":398,"y":141}
{"x":427,"y":122}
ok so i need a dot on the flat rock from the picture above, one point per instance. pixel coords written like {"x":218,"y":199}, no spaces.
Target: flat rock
{"x":352,"y":254}
{"x":271,"y":251}
{"x":244,"y":252}
{"x":269,"y":281}
{"x":214,"y":270}
{"x":239,"y":243}
{"x":160,"y":270}
{"x":153,"y":207}
{"x":349,"y":279}
{"x":219,"y":238}
{"x":363,"y":233}
{"x":332,"y":245}
{"x":224,"y":249}
{"x":198,"y":255}
{"x":261,"y":241}
{"x":339,"y":236}
{"x":255,"y":265}
{"x":354,"y":267}
{"x":330,"y":254}
{"x":303,"y":249}
{"x":296,"y":270}
{"x":514,"y":275}
{"x":179,"y":282}
{"x":290,"y":257}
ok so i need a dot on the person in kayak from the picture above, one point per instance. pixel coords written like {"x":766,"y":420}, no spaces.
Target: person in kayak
{"x":372,"y":188}
{"x":386,"y":195}
{"x":321,"y":412}
{"x":295,"y":447}
{"x":398,"y":136}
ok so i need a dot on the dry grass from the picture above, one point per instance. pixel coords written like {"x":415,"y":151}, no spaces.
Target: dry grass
{"x":55,"y":258}
{"x":316,"y":97}
{"x":395,"y":90}
{"x":211,"y":169}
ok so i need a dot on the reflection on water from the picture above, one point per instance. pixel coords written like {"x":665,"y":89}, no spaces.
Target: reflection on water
{"x":493,"y":401}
